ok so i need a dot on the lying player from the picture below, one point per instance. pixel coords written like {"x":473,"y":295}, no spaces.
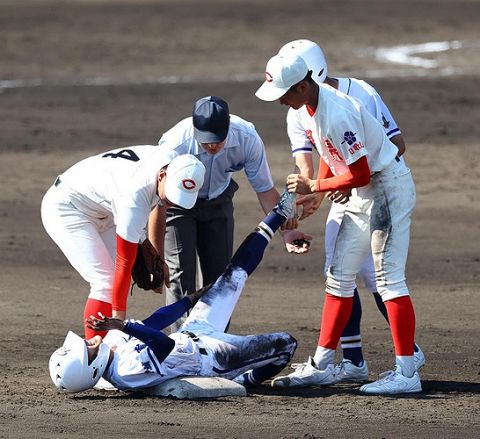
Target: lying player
{"x":136,"y":355}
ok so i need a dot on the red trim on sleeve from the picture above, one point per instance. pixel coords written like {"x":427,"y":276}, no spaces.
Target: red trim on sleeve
{"x":358,"y":175}
{"x":124,"y":260}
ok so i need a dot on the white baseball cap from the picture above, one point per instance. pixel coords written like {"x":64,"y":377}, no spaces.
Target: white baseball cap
{"x":281,"y":73}
{"x":312,"y":54}
{"x":185,"y":175}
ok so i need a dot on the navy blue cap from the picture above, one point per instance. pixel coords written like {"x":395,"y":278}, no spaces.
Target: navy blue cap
{"x":211,"y":120}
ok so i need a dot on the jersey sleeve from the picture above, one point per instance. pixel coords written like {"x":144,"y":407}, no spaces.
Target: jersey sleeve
{"x":380,"y":111}
{"x":256,"y":164}
{"x":299,"y":141}
{"x":132,"y":213}
{"x":347,"y":136}
{"x":157,"y":341}
{"x":166,"y":315}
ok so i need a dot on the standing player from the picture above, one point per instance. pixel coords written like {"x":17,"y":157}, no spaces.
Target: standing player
{"x":352,"y":367}
{"x":143,"y":356}
{"x":225,"y":144}
{"x":355,"y":154}
{"x":97,"y":212}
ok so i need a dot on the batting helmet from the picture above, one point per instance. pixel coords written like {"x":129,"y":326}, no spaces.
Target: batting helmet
{"x":312,"y":54}
{"x":69,"y":367}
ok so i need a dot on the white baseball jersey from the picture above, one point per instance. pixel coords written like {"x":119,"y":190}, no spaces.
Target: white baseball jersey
{"x":135,"y":366}
{"x":343,"y":131}
{"x":121,"y":183}
{"x":243,"y":149}
{"x":355,"y":88}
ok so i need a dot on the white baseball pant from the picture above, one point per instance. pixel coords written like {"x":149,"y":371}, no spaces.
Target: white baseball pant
{"x":376,"y":220}
{"x":89,"y":243}
{"x":231,"y":355}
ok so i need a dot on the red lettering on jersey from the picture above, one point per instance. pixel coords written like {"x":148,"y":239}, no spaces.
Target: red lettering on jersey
{"x":310,"y":136}
{"x":355,"y":147}
{"x":188,"y":184}
{"x":268,"y":77}
{"x":336,"y":156}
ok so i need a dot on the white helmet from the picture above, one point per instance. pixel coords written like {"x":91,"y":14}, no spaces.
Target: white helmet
{"x":312,"y":54}
{"x":69,"y":368}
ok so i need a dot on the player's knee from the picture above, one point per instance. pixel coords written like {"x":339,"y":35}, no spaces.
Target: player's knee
{"x":340,"y":286}
{"x":291,"y":344}
{"x":392,"y":290}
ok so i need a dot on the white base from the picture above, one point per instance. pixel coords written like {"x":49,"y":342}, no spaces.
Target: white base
{"x":197,"y":388}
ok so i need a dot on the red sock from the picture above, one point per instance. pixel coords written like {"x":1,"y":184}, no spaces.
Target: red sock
{"x":335,"y":315}
{"x":402,"y":324}
{"x":92,"y":307}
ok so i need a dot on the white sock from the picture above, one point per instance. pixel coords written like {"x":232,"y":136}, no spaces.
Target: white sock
{"x":407,"y":365}
{"x":323,"y":357}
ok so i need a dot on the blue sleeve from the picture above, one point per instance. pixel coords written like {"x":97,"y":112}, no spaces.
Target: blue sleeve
{"x":157,"y":341}
{"x":169,"y":314}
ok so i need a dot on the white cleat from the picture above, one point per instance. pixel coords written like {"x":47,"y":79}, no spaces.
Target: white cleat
{"x":306,"y":374}
{"x":393,"y":383}
{"x":347,"y":372}
{"x":286,"y":206}
{"x":418,"y":358}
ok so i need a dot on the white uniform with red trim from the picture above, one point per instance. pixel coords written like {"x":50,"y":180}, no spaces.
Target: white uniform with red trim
{"x":301,"y":142}
{"x":344,"y":131}
{"x":101,"y":196}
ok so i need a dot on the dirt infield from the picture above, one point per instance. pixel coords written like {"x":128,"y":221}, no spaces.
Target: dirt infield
{"x":78,"y":77}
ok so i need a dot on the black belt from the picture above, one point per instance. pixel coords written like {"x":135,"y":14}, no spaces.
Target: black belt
{"x":195,"y":338}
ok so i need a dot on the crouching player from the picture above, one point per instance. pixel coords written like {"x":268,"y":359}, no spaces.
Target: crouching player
{"x":136,"y":355}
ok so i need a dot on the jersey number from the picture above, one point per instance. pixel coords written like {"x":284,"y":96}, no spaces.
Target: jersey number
{"x":123,"y":154}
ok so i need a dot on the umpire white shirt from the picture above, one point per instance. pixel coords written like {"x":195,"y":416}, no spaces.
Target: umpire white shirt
{"x":243,"y":149}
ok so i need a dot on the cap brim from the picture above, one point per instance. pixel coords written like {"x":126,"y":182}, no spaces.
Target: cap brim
{"x":208,"y":136}
{"x":268,"y":92}
{"x":181,"y":198}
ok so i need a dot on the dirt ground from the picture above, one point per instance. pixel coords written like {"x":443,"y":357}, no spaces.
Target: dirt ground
{"x":79,"y":77}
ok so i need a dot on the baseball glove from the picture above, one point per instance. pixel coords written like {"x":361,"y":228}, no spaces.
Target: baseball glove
{"x":147,"y":271}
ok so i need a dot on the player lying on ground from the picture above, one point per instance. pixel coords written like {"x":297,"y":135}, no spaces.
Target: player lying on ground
{"x":137,"y":355}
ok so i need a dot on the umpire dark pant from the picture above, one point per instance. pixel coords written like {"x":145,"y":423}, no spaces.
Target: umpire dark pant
{"x":206,"y":230}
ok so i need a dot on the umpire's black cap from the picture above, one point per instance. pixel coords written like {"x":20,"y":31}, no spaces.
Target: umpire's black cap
{"x":211,"y":120}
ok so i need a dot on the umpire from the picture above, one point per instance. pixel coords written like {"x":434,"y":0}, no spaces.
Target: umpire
{"x":224,"y":143}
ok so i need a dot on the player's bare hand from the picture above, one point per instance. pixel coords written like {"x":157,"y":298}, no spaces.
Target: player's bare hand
{"x":296,"y":241}
{"x":340,"y":197}
{"x":309,"y":204}
{"x":196,"y":295}
{"x":103,"y":323}
{"x":291,"y":224}
{"x":300,"y":184}
{"x":93,"y":342}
